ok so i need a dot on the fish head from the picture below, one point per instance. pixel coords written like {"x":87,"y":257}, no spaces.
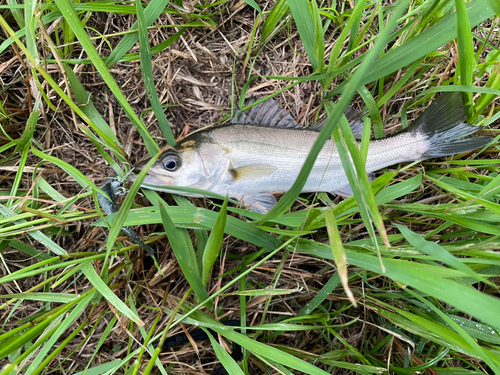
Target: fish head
{"x":192,"y":163}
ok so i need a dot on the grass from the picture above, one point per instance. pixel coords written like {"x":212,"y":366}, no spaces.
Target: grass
{"x":400,"y":278}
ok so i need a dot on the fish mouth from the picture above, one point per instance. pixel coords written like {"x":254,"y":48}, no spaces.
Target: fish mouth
{"x":152,"y":178}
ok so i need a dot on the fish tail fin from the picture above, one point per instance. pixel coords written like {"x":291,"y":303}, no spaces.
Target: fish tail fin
{"x":444,"y":126}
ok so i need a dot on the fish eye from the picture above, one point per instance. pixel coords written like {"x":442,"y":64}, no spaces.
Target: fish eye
{"x":171,"y":162}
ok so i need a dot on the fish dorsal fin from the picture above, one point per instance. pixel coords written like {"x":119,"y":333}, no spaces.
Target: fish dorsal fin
{"x":268,"y":113}
{"x":252,"y":171}
{"x":271,"y":114}
{"x":354,"y":119}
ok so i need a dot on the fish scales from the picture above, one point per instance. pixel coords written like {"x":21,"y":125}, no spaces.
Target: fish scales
{"x":287,"y":149}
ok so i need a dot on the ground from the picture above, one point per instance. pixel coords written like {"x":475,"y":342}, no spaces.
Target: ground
{"x":199,"y":78}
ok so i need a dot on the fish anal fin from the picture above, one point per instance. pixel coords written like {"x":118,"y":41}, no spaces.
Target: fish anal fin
{"x":252,"y":171}
{"x":346,"y":191}
{"x":261,"y":203}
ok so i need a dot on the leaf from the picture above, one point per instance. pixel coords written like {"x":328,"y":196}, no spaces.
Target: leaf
{"x":495,"y":5}
{"x":437,"y":252}
{"x":37,"y":235}
{"x":254,"y":5}
{"x":214,"y":243}
{"x":266,"y":351}
{"x":427,"y":279}
{"x":184,"y":253}
{"x":78,"y":176}
{"x":108,"y":294}
{"x":98,"y":124}
{"x":195,"y":217}
{"x":466,"y":58}
{"x":46,"y":297}
{"x":273,"y":18}
{"x":304,"y":21}
{"x":147,"y":75}
{"x":321,"y":296}
{"x":226,"y":360}
{"x":47,"y":353}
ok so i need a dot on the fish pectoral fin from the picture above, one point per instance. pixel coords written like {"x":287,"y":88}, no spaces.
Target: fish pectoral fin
{"x":252,"y":171}
{"x":260,"y":203}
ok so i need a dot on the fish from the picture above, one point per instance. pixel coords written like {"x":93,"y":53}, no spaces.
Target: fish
{"x":261,"y":152}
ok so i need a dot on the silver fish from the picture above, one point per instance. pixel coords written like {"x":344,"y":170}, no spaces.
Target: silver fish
{"x":262,"y":151}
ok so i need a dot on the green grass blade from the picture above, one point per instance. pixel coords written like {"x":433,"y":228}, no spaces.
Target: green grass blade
{"x":254,"y":5}
{"x":318,"y":37}
{"x":184,"y":253}
{"x":151,"y":13}
{"x":194,"y":217}
{"x":147,"y":75}
{"x":45,"y":297}
{"x":108,"y":294}
{"x":19,"y":174}
{"x":374,"y":111}
{"x":74,"y":22}
{"x":267,"y":351}
{"x":466,"y":58}
{"x":280,"y":9}
{"x":493,"y":81}
{"x":431,"y":330}
{"x":68,"y":168}
{"x":437,"y":252}
{"x":321,"y":296}
{"x":63,"y":327}
{"x":301,"y":12}
{"x":214,"y":243}
{"x":229,"y":363}
{"x":337,"y":48}
{"x":16,"y":11}
{"x":495,"y":5}
{"x":27,"y":136}
{"x":31,"y":21}
{"x":37,"y":235}
{"x":102,"y":368}
{"x":477,"y":349}
{"x":98,"y":124}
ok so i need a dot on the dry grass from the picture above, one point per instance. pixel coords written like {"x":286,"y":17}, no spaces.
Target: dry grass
{"x":199,"y":78}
